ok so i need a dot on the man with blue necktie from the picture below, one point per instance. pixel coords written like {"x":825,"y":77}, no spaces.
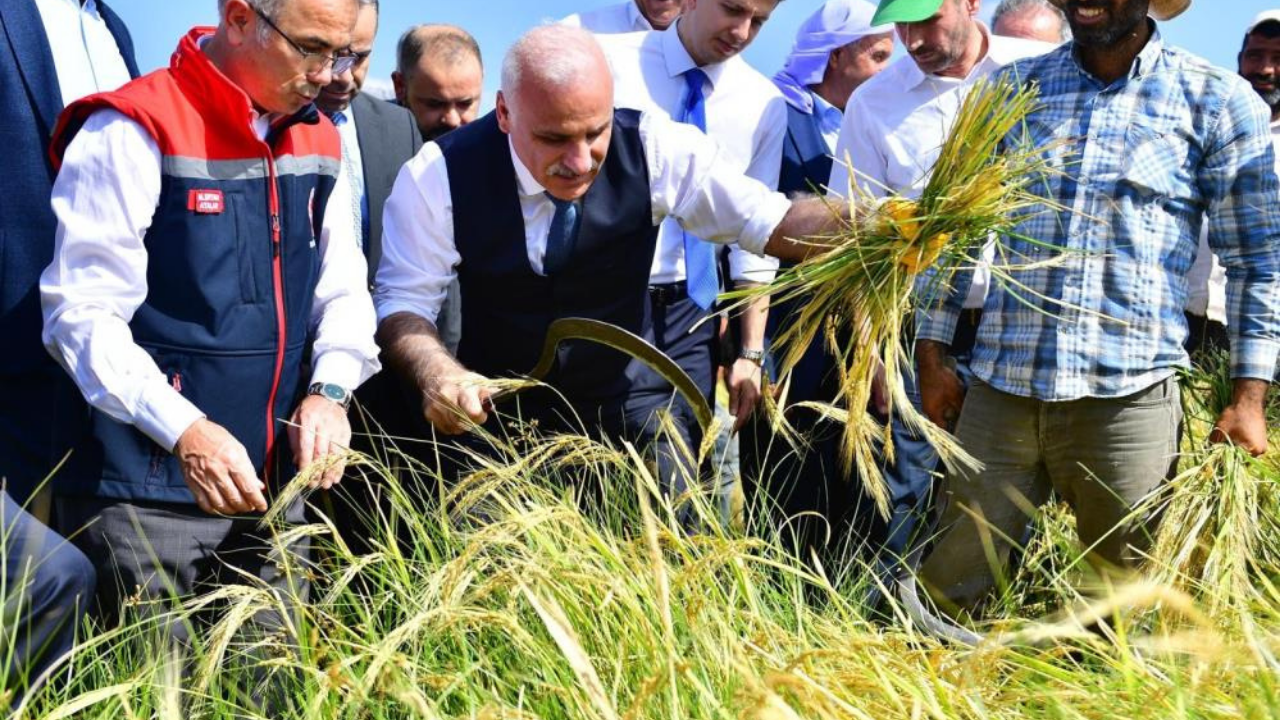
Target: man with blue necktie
{"x":549,"y":208}
{"x":692,"y":72}
{"x":44,"y":65}
{"x":821,"y":504}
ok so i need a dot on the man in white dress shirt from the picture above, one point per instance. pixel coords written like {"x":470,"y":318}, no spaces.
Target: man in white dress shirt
{"x":894,"y":127}
{"x":549,"y":208}
{"x":694,"y":68}
{"x":192,"y":270}
{"x":627,"y":16}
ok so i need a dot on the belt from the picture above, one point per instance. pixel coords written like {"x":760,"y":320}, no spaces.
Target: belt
{"x":667,"y":293}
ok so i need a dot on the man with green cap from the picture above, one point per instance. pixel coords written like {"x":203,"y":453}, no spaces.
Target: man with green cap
{"x":893,"y":129}
{"x":1076,"y":389}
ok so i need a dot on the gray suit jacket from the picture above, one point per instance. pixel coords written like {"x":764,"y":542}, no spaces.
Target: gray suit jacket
{"x":388,"y":139}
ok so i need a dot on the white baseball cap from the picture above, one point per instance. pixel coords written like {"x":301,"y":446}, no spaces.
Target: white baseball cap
{"x":1264,"y":16}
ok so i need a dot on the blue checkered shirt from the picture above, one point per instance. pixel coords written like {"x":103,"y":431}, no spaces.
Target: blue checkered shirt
{"x":1144,"y":161}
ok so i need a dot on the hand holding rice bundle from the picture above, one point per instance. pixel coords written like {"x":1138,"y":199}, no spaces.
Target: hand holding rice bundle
{"x":896,"y":255}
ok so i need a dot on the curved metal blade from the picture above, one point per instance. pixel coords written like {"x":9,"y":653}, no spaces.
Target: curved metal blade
{"x":627,"y":343}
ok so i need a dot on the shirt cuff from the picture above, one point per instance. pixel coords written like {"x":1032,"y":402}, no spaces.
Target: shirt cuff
{"x":1254,"y":358}
{"x":938,"y":325}
{"x":163,"y":414}
{"x":339,"y":368}
{"x":760,"y":226}
{"x":747,"y":268}
{"x":386,"y":308}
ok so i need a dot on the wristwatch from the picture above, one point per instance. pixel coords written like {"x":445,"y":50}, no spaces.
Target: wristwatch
{"x":329,"y":391}
{"x":755,"y":356}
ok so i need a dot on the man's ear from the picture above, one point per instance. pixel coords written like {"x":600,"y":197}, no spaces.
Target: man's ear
{"x":402,"y":92}
{"x":238,"y":18}
{"x":504,"y":113}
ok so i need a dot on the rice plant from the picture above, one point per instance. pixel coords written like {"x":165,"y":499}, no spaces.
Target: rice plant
{"x":567,"y":588}
{"x":900,"y":254}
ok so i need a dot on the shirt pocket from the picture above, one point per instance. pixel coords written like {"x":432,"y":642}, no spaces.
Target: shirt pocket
{"x":1156,"y":167}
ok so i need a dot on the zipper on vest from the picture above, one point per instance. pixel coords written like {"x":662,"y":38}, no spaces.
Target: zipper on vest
{"x":277,"y":281}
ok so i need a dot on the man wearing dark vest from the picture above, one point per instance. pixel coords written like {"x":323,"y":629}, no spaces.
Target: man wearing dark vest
{"x":205,"y":241}
{"x":549,"y":208}
{"x":836,"y":49}
{"x":52,"y":52}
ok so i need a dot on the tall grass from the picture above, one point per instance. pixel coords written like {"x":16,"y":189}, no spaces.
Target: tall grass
{"x":566,"y":587}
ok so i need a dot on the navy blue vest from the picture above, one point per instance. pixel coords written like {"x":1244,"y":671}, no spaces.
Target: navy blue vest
{"x":506,"y":306}
{"x":229,"y":301}
{"x":806,"y":161}
{"x":806,"y":167}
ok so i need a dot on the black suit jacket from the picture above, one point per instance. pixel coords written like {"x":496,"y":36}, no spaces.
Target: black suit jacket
{"x":42,"y":411}
{"x":388,"y":138}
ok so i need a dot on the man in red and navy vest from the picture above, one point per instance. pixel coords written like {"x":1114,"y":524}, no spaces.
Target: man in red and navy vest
{"x":204,"y":245}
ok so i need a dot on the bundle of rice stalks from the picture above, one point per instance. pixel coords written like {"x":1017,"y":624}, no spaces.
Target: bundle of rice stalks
{"x":858,"y":294}
{"x":1219,"y":534}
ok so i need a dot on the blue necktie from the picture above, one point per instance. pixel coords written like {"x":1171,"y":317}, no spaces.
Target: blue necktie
{"x":699,"y":255}
{"x":338,"y":117}
{"x":562,"y":236}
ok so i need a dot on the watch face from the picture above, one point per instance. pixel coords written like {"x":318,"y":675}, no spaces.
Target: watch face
{"x":334,"y":393}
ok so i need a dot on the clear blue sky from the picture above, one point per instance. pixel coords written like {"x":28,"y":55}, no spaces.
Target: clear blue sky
{"x":1211,"y":28}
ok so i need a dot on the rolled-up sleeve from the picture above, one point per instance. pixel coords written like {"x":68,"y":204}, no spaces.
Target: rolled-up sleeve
{"x":1239,"y":179}
{"x":419,"y":256}
{"x":690,"y":182}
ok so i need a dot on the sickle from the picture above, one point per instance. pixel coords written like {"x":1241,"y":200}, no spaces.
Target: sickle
{"x":625,"y":342}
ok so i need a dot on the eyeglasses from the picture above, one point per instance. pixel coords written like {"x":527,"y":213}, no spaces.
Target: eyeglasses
{"x":341,"y":62}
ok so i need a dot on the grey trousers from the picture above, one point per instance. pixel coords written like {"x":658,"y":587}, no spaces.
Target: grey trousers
{"x":160,"y":552}
{"x":1101,"y":455}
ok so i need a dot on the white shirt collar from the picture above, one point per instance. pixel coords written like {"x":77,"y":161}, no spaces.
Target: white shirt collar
{"x":998,"y":52}
{"x":525,"y":182}
{"x":679,"y":61}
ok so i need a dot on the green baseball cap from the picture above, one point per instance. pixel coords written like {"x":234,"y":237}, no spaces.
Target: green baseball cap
{"x":904,"y":11}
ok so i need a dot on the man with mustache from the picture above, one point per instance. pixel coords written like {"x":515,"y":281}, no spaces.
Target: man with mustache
{"x":1259,"y":63}
{"x":627,"y":16}
{"x":205,"y":241}
{"x":1076,"y":389}
{"x":693,"y":72}
{"x":893,"y":130}
{"x":549,"y":208}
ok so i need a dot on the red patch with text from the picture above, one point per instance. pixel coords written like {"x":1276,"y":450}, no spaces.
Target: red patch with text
{"x":205,"y":202}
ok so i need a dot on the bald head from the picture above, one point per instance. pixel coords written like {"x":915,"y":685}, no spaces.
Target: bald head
{"x":556,"y":59}
{"x":556,"y":103}
{"x":439,"y":76}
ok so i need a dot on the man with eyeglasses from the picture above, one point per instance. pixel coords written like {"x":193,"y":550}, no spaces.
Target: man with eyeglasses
{"x":377,"y":138}
{"x":205,"y":242}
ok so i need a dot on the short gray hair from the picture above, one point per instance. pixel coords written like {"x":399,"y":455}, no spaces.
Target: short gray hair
{"x":557,"y":52}
{"x":271,"y":8}
{"x":450,"y":43}
{"x":1007,"y":7}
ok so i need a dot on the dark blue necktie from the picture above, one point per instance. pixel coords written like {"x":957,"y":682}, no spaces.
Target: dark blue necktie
{"x":562,"y":236}
{"x":699,"y":255}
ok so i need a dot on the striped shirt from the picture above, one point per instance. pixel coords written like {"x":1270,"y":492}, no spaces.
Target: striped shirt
{"x":1142,"y":163}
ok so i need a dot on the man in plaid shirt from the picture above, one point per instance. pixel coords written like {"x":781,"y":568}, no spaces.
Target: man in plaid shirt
{"x":1076,"y":389}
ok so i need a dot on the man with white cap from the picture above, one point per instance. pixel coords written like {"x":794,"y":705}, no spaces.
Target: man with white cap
{"x":1075,"y":386}
{"x":1259,"y":63}
{"x":836,"y":49}
{"x":627,"y":16}
{"x":893,"y":130}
